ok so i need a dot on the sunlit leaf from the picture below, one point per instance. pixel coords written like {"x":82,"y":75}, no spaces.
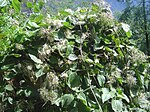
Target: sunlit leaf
{"x":89,"y":60}
{"x":101,"y":80}
{"x":35,"y":59}
{"x":72,"y":57}
{"x":64,"y":13}
{"x":10,"y":100}
{"x":39,"y":73}
{"x":107,"y":94}
{"x":129,"y":34}
{"x":117,"y":105}
{"x":29,"y":4}
{"x":95,"y":7}
{"x":82,"y":97}
{"x":16,"y":55}
{"x":123,"y":96}
{"x":68,"y":25}
{"x":9,"y":87}
{"x":16,"y":4}
{"x":36,"y":8}
{"x":33,"y":24}
{"x":99,"y":65}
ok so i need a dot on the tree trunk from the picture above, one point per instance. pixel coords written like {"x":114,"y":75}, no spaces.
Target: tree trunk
{"x":145,"y":28}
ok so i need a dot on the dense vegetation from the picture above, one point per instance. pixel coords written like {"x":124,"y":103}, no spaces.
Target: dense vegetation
{"x":76,"y":61}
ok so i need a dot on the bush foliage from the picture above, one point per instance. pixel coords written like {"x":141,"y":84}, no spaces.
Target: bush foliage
{"x":76,"y":61}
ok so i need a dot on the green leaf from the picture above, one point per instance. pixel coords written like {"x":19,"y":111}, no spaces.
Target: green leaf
{"x":68,"y":25}
{"x":33,"y":24}
{"x":107,"y":95}
{"x":74,"y":109}
{"x":74,"y":79}
{"x":115,"y":53}
{"x":3,"y":3}
{"x":117,"y":105}
{"x":72,"y":57}
{"x":16,"y":55}
{"x":101,"y":80}
{"x":69,"y":49}
{"x":36,"y":8}
{"x":10,"y":100}
{"x":39,"y":73}
{"x":89,"y":60}
{"x":9,"y":76}
{"x":95,"y":7}
{"x":29,"y":4}
{"x":67,"y":99}
{"x":99,"y":65}
{"x":39,"y":18}
{"x":120,"y":52}
{"x":96,"y":110}
{"x":27,"y":92}
{"x":35,"y":59}
{"x":16,"y":4}
{"x":129,"y":34}
{"x":82,"y":107}
{"x":9,"y":87}
{"x":82,"y":97}
{"x":58,"y":101}
{"x":117,"y":41}
{"x":53,"y":59}
{"x":123,"y":96}
{"x":64,"y":13}
{"x":108,"y":49}
{"x":106,"y":41}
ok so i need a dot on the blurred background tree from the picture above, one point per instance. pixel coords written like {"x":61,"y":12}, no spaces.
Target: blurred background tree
{"x":137,"y":15}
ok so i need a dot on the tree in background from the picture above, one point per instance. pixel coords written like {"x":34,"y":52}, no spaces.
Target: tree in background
{"x":137,"y":15}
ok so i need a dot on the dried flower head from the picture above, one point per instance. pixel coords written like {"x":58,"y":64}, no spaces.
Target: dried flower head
{"x":52,"y":80}
{"x":48,"y":95}
{"x":143,"y":101}
{"x":49,"y":91}
{"x":136,"y":55}
{"x":131,"y":81}
{"x":19,"y":46}
{"x":44,"y":52}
